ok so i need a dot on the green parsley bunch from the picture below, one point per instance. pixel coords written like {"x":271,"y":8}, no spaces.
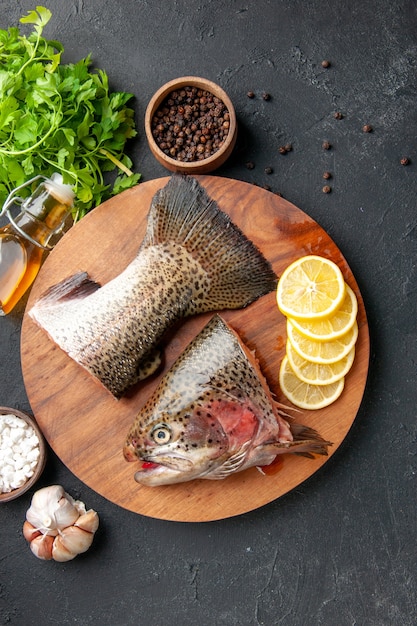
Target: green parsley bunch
{"x":59,"y":118}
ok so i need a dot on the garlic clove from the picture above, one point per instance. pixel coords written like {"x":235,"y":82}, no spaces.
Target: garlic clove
{"x":66,"y":513}
{"x":30,"y":532}
{"x":74,"y":540}
{"x":89,"y":521}
{"x":41,"y":547}
{"x":60,"y":553}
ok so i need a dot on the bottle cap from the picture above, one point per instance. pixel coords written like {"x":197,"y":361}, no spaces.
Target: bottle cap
{"x":62,"y":192}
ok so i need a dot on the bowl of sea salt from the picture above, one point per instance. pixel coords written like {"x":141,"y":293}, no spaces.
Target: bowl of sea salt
{"x":22,"y":453}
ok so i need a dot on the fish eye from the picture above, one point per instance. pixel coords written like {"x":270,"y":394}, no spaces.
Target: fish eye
{"x":161,"y":434}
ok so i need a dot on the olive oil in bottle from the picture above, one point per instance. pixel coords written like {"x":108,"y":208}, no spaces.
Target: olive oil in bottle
{"x":24,"y":240}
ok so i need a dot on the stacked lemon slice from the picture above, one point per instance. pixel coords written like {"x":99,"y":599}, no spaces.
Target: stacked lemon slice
{"x":322,"y":330}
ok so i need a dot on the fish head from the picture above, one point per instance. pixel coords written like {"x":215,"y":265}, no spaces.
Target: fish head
{"x":176,"y":446}
{"x":207,"y":439}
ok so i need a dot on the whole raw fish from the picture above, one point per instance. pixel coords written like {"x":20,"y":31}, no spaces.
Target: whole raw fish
{"x":212,"y":415}
{"x":193,"y":259}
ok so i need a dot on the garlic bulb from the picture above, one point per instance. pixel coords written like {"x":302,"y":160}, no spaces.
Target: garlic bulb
{"x":57,"y":526}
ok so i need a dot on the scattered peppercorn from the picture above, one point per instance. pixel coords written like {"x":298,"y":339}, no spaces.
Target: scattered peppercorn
{"x":326,"y":189}
{"x":338,"y":115}
{"x":250,"y":165}
{"x":405,"y":161}
{"x":266,"y":96}
{"x":288,"y":147}
{"x":282,"y":150}
{"x":327,"y":175}
{"x":250,"y":94}
{"x":326,"y":145}
{"x":367,"y":128}
{"x":191,"y":124}
{"x":268,"y":170}
{"x":325,"y":63}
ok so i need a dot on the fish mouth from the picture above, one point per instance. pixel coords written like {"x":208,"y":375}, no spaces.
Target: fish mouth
{"x":162,"y":469}
{"x":150,"y":473}
{"x":167,"y":461}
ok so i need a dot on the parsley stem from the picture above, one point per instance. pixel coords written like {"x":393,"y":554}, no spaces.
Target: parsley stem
{"x":53,"y":127}
{"x":31,"y":148}
{"x":116,"y":161}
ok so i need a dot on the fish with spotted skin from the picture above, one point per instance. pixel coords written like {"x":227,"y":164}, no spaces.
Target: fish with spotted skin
{"x":193,"y":259}
{"x":213,"y":415}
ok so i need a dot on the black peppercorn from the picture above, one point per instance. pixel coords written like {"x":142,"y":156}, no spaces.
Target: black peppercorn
{"x":327,"y":175}
{"x":268,"y":170}
{"x":250,"y":94}
{"x":282,"y":150}
{"x":288,"y":147}
{"x":327,"y":189}
{"x":367,"y":128}
{"x":326,"y":145}
{"x":405,"y":161}
{"x":191,"y":124}
{"x":325,"y":63}
{"x":338,"y":115}
{"x":250,"y":165}
{"x":266,"y":96}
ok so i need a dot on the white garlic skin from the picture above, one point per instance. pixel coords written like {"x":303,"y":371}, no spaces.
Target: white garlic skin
{"x":57,"y":526}
{"x":52,"y":510}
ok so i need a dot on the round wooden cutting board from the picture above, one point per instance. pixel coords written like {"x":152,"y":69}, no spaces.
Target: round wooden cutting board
{"x":86,"y":426}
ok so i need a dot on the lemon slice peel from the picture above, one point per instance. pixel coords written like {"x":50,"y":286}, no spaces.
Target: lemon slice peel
{"x":305,"y":395}
{"x":312,"y":287}
{"x":334,"y":326}
{"x":319,"y":373}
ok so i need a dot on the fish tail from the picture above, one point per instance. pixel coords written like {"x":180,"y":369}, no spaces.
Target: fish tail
{"x":237,"y":272}
{"x":307,"y":441}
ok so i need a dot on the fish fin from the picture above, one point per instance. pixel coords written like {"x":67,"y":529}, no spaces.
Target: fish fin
{"x":75,"y":287}
{"x":306,"y":441}
{"x":231,"y":465}
{"x":149,"y":364}
{"x":237,"y":271}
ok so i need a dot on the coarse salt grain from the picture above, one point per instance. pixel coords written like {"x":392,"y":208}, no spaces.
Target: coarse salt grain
{"x":19,"y":452}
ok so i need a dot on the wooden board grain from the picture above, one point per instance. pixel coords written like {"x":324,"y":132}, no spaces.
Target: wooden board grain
{"x":86,"y":426}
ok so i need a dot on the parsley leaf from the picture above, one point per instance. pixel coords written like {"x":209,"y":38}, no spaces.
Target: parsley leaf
{"x":60,"y":117}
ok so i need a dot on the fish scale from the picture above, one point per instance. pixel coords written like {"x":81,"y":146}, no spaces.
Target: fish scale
{"x":193,"y":259}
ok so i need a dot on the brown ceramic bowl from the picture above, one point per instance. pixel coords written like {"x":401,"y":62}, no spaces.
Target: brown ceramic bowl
{"x":12,"y":495}
{"x":213,"y":161}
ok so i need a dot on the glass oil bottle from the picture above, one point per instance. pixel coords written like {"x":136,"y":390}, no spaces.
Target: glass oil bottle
{"x":35,"y":229}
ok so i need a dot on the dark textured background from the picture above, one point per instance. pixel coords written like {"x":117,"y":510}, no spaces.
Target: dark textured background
{"x":340,"y":550}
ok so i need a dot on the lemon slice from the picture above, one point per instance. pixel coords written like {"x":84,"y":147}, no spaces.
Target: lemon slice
{"x":319,"y":373}
{"x":322,"y":351}
{"x":331,"y":327}
{"x":312,"y":287}
{"x":304,"y":395}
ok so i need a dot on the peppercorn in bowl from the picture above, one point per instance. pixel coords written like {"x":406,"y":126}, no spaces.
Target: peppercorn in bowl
{"x":190,"y":125}
{"x":22,"y":453}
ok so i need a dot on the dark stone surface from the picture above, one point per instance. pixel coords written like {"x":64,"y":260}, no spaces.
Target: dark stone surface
{"x":341,"y":548}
